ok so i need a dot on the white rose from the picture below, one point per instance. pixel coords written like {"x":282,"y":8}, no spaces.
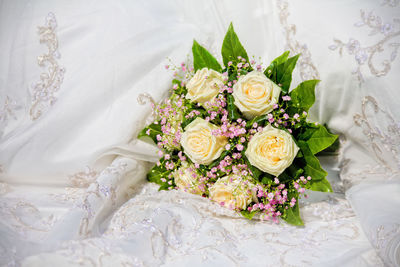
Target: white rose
{"x":204,"y":85}
{"x":271,"y":150}
{"x":199,"y":144}
{"x":255,"y":94}
{"x":232,"y":192}
{"x":187,"y":179}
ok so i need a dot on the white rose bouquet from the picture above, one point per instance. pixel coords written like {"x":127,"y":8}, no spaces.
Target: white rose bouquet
{"x":237,"y":134}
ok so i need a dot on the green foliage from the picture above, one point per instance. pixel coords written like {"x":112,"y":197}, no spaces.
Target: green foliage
{"x":331,"y":149}
{"x":203,"y":59}
{"x":271,"y":69}
{"x":181,"y":90}
{"x":318,"y":138}
{"x":303,"y":96}
{"x":292,"y":214}
{"x":280,"y":70}
{"x":321,"y":185}
{"x":232,"y":48}
{"x":155,"y":129}
{"x":248,"y":214}
{"x":158,"y":172}
{"x":313,"y":168}
{"x":233,"y":112}
{"x":259,"y":119}
{"x":256,"y":172}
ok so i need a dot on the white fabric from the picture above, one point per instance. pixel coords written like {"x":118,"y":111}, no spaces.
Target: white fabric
{"x":65,"y":199}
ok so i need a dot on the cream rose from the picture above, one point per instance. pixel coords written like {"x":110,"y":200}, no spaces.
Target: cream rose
{"x":255,"y":94}
{"x":271,"y":150}
{"x":204,"y":85}
{"x":187,"y":179}
{"x":232,"y":192}
{"x":199,"y":144}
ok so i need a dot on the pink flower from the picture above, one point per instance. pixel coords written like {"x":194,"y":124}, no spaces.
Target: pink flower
{"x":239,"y":147}
{"x":285,"y":116}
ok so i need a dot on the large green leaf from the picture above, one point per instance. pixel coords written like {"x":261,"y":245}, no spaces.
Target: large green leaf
{"x":292,"y":214}
{"x":232,"y":48}
{"x":313,"y":167}
{"x":271,"y":70}
{"x":280,"y":70}
{"x":318,"y":138}
{"x":154,"y":130}
{"x":303,"y":96}
{"x":321,"y":185}
{"x":203,"y":59}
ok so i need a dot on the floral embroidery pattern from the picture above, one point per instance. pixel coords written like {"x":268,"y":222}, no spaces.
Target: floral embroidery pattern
{"x":83,"y":178}
{"x":364,"y":55}
{"x":43,"y":95}
{"x":383,"y":141}
{"x":391,"y":3}
{"x":307,"y":68}
{"x":8,"y":110}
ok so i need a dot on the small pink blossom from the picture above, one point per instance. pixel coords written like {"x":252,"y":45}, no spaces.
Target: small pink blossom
{"x":239,"y":147}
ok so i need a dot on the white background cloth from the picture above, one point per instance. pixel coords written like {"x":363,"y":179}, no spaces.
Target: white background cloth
{"x":60,"y":205}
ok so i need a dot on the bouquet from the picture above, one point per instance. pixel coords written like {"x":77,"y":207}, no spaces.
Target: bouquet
{"x":237,"y":135}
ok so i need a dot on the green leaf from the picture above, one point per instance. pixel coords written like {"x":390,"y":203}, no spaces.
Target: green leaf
{"x":186,"y":122}
{"x":248,"y":214}
{"x":271,"y":70}
{"x":313,"y":167}
{"x":203,"y":59}
{"x":320,"y":139}
{"x":321,"y":185}
{"x":154,"y":128}
{"x":232,"y":48}
{"x":331,"y":149}
{"x":233,"y":112}
{"x":280,"y":70}
{"x":292,"y":214}
{"x":256,"y":172}
{"x":158,"y":172}
{"x":259,"y":119}
{"x":303,"y":96}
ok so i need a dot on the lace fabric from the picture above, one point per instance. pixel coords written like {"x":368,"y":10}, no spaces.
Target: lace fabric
{"x":63,"y":201}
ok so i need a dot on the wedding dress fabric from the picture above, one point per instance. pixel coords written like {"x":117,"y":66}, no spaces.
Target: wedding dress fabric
{"x":73,"y":189}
